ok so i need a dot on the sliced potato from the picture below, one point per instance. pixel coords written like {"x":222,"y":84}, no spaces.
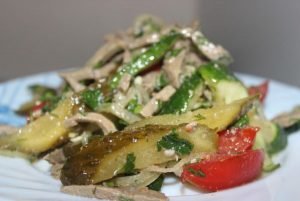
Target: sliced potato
{"x":218,"y":117}
{"x":42,"y":134}
{"x":104,"y":158}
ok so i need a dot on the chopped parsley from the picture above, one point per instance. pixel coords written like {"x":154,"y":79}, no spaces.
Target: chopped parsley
{"x":198,"y":173}
{"x":242,"y":122}
{"x":129,"y":165}
{"x":92,"y":98}
{"x":172,"y":141}
{"x":51,"y":104}
{"x":157,"y":184}
{"x":134,"y":106}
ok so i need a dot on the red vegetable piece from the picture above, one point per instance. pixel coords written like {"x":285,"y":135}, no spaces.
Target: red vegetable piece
{"x":261,"y":89}
{"x":224,"y":171}
{"x":236,"y":140}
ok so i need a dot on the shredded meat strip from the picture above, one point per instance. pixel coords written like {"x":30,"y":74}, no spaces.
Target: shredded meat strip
{"x":288,"y":118}
{"x":74,"y":77}
{"x":115,"y":194}
{"x":152,"y":105}
{"x":104,"y":123}
{"x":173,"y":68}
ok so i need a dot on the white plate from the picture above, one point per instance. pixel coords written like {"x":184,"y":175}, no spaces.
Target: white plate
{"x":20,"y":180}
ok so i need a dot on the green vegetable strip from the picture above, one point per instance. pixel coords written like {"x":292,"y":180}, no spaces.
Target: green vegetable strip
{"x":178,"y":103}
{"x":92,"y":98}
{"x":213,"y":73}
{"x":242,"y":122}
{"x":146,"y":59}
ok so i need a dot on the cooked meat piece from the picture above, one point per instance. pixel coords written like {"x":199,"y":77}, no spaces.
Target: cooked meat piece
{"x":152,"y":106}
{"x":84,"y":191}
{"x":56,"y":170}
{"x":125,"y":82}
{"x":136,"y":194}
{"x":108,"y":50}
{"x":126,"y":56}
{"x":165,"y":93}
{"x":149,"y":80}
{"x":289,"y":118}
{"x":104,"y":123}
{"x":55,"y":157}
{"x":74,"y":77}
{"x":144,"y":40}
{"x":76,"y":86}
{"x":173,"y":68}
{"x":114,"y":194}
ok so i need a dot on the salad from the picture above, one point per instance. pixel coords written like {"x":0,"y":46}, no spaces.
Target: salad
{"x":154,"y":100}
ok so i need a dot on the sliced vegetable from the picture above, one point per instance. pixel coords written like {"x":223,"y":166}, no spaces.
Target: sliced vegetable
{"x":142,"y":179}
{"x":180,"y":101}
{"x":146,"y":59}
{"x":92,"y":98}
{"x":224,"y":171}
{"x":242,"y":122}
{"x":225,"y":86}
{"x":274,"y":136}
{"x":103,"y":158}
{"x":236,"y":140}
{"x":261,"y":89}
{"x":278,"y":141}
{"x":42,"y":134}
{"x":218,"y":117}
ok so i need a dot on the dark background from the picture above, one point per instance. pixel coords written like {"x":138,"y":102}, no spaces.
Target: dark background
{"x":38,"y":36}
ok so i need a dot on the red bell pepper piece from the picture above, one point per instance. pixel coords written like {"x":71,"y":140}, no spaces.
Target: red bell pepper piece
{"x":224,"y":171}
{"x":261,"y":89}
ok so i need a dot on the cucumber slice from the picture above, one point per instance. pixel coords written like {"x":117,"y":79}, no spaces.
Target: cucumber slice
{"x":269,"y":164}
{"x":182,"y":99}
{"x":278,"y":140}
{"x":226,"y":87}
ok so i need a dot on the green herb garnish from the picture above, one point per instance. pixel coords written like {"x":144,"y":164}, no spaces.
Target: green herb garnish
{"x":172,"y":141}
{"x":157,"y":184}
{"x":92,"y":98}
{"x":242,"y":122}
{"x":198,"y":173}
{"x":134,"y":106}
{"x":129,"y":165}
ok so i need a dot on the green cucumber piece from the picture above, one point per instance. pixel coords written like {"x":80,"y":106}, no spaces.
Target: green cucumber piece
{"x":146,"y":59}
{"x":179,"y":102}
{"x":268,"y":165}
{"x":278,"y":140}
{"x":225,"y":86}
